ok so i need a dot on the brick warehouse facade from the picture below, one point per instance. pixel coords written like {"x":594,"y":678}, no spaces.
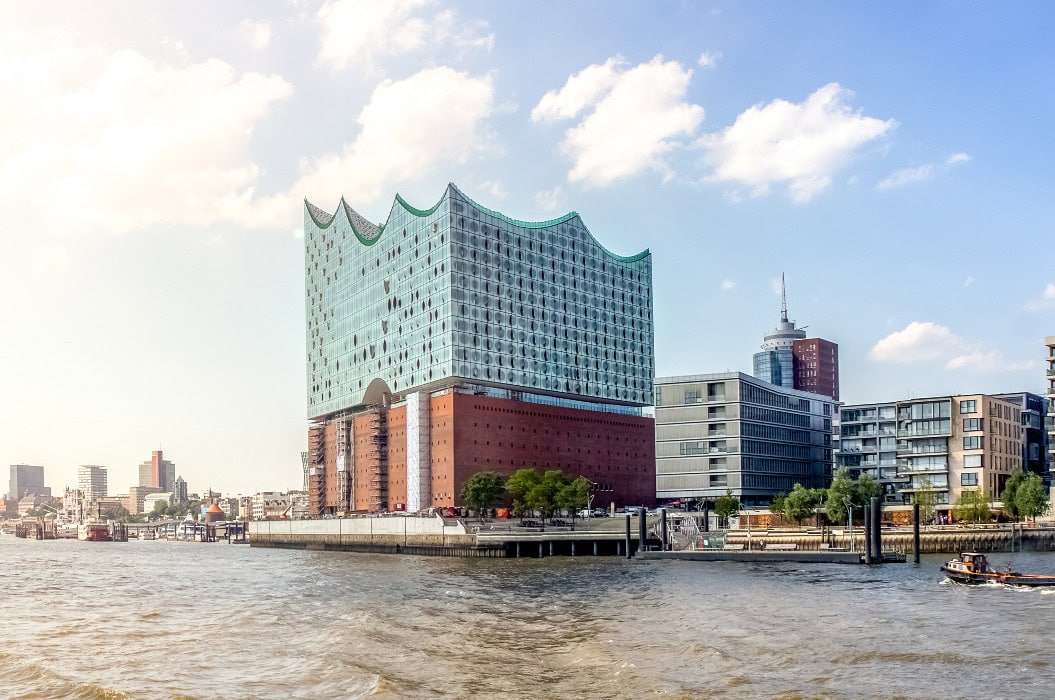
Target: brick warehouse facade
{"x":455,"y":340}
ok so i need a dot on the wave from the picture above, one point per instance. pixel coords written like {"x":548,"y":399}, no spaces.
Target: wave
{"x":24,"y":677}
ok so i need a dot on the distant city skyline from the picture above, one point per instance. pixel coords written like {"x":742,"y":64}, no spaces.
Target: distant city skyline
{"x":151,"y":281}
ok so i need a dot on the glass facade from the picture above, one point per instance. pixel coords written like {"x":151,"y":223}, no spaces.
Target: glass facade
{"x":775,"y":367}
{"x":462,"y":293}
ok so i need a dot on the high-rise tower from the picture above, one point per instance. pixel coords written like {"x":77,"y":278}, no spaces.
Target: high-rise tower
{"x":789,"y":359}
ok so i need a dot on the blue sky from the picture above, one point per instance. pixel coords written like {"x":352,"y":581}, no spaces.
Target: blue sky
{"x":893,"y":160}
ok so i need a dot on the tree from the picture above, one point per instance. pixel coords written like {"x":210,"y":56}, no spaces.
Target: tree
{"x":727,"y":506}
{"x":543,"y":497}
{"x":927,"y":498}
{"x":777,"y":506}
{"x":1031,"y":499}
{"x":868,"y":488}
{"x":1008,"y":496}
{"x":972,"y":506}
{"x":520,"y":486}
{"x":801,"y":503}
{"x":575,"y":495}
{"x":160,"y":507}
{"x":841,"y":490}
{"x":483,"y":491}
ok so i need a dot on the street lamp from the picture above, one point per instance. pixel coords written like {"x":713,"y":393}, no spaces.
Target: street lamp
{"x":850,"y":519}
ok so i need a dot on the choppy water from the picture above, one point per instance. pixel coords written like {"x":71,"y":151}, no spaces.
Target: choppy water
{"x":183,"y":620}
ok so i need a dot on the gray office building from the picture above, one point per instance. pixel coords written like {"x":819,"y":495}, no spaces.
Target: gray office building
{"x":731,"y":431}
{"x":27,"y":480}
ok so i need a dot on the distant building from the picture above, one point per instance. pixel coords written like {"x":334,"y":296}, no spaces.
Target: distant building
{"x":151,"y":499}
{"x":135,"y":501}
{"x":730,"y":431}
{"x":946,"y":444}
{"x":270,"y":505}
{"x":791,"y":360}
{"x":179,"y":490}
{"x":230,"y":507}
{"x":304,"y":469}
{"x":158,"y":472}
{"x":27,"y":480}
{"x":91,"y":481}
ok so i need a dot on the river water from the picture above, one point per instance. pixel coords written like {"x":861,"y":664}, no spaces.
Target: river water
{"x":184,"y":620}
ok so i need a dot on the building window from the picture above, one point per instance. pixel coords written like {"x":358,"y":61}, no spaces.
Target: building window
{"x":970,"y":406}
{"x":970,"y":461}
{"x":969,"y":479}
{"x":972,"y":425}
{"x":716,"y":463}
{"x":719,"y":480}
{"x":716,"y":391}
{"x":693,"y":448}
{"x":693,"y":396}
{"x":972,"y":443}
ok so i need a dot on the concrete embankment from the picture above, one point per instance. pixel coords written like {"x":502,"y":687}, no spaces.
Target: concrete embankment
{"x":388,"y":535}
{"x":764,"y":557}
{"x":933,"y":540}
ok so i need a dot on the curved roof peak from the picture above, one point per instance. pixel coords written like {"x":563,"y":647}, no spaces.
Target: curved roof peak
{"x":368,"y":233}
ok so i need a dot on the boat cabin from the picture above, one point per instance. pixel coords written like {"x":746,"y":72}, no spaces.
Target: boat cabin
{"x":975,"y":563}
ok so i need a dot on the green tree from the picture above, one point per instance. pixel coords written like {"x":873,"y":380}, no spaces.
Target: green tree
{"x":1008,"y":495}
{"x":160,"y":507}
{"x":543,"y":497}
{"x":868,"y":488}
{"x":575,"y":495}
{"x":727,"y":506}
{"x":483,"y":491}
{"x":777,"y":506}
{"x":1031,"y":499}
{"x":520,"y":486}
{"x":801,"y":503}
{"x":972,"y":506}
{"x":927,"y":498}
{"x":839,"y":492}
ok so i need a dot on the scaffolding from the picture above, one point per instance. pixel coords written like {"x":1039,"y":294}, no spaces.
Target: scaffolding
{"x":317,"y":469}
{"x":376,"y":458}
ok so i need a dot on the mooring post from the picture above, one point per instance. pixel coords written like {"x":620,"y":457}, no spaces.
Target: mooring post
{"x":706,"y":518}
{"x":642,"y":530}
{"x":915,"y":532}
{"x":628,"y":535}
{"x":868,"y":533}
{"x":663,"y":529}
{"x":877,"y":530}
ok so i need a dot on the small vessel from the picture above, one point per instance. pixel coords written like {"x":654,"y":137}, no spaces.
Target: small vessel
{"x":95,"y":532}
{"x":971,"y":567}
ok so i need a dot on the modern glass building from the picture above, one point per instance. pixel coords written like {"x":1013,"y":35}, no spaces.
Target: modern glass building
{"x":91,"y":481}
{"x":460,"y":300}
{"x":731,"y":431}
{"x":27,"y":480}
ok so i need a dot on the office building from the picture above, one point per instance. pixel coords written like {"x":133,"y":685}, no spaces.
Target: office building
{"x":91,"y":482}
{"x":455,"y":339}
{"x":27,"y":480}
{"x":135,"y":501}
{"x":1034,"y":434}
{"x":1049,"y":421}
{"x":944,"y":444}
{"x":179,"y":490}
{"x":158,"y":472}
{"x":791,"y":360}
{"x":731,"y":431}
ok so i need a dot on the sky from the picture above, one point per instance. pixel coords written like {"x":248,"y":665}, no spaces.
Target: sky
{"x":892,"y":160}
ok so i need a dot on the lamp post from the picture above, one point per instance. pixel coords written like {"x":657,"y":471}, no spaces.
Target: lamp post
{"x":850,"y":519}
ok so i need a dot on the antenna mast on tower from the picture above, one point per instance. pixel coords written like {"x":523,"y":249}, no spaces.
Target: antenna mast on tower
{"x":783,"y":300}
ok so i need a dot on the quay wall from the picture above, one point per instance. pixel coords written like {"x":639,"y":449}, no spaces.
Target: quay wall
{"x":388,"y":535}
{"x":949,"y":540}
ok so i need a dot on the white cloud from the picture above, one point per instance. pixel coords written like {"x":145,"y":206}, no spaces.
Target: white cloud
{"x":727,"y":285}
{"x":957,"y":159}
{"x":123,"y":141}
{"x":709,"y":60}
{"x":256,"y":35}
{"x":548,"y":200}
{"x":362,"y":32}
{"x":396,"y":144}
{"x":925,"y":342}
{"x":905,"y":176}
{"x":634,"y":117}
{"x":969,"y":281}
{"x":494,"y":188}
{"x":1046,"y":300}
{"x":798,"y":144}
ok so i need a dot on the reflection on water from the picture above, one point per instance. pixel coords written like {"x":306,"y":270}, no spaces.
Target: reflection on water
{"x":183,"y":620}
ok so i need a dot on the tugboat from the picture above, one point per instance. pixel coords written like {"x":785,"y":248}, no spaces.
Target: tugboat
{"x":971,"y":567}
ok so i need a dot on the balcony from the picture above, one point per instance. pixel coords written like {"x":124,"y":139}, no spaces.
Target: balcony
{"x":904,"y":469}
{"x":925,"y":451}
{"x":910,"y":434}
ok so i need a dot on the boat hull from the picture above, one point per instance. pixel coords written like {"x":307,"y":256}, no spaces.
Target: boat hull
{"x":1011,"y":579}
